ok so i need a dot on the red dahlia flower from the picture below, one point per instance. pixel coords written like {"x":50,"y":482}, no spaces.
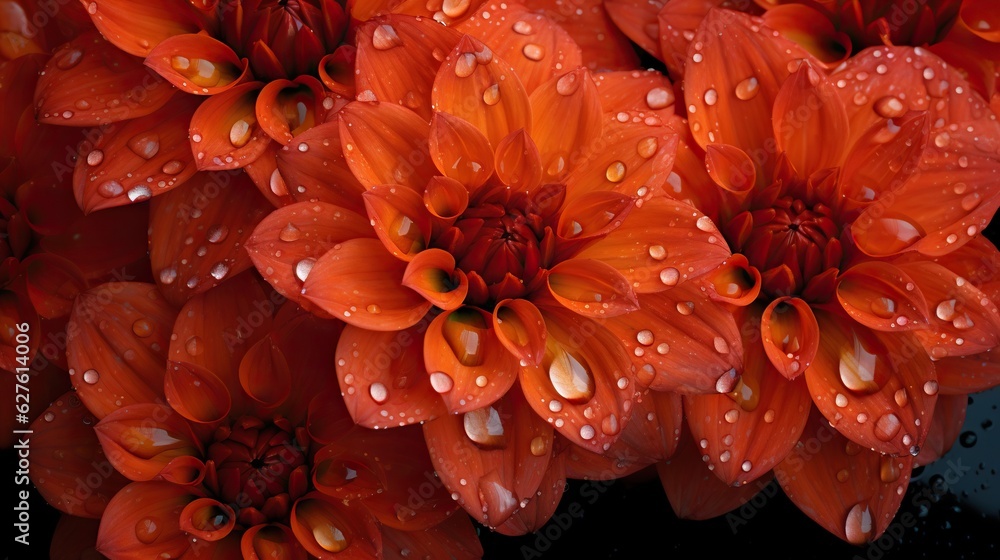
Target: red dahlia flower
{"x":233,"y":442}
{"x":859,"y":197}
{"x":506,"y":248}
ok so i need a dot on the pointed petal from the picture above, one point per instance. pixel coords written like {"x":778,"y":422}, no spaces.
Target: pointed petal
{"x":633,"y":92}
{"x":810,"y":29}
{"x":198,"y":64}
{"x":867,"y":390}
{"x":467,"y":364}
{"x":660,"y":245}
{"x":196,"y":393}
{"x":52,"y":284}
{"x":852,"y":492}
{"x":319,"y":173}
{"x":138,"y":30}
{"x":386,"y":144}
{"x":949,"y":416}
{"x":591,"y":288}
{"x":731,"y":168}
{"x":361,"y":283}
{"x":604,"y":47}
{"x":265,"y":375}
{"x":89,"y":82}
{"x":566,"y":122}
{"x":198,"y":231}
{"x":322,"y":525}
{"x":679,"y":20}
{"x":117,"y":335}
{"x":478,"y":86}
{"x":520,"y":327}
{"x":734,"y":282}
{"x":454,"y":538}
{"x":141,"y":439}
{"x":460,"y":151}
{"x":638,"y":20}
{"x":142,"y":158}
{"x":790,"y":335}
{"x":446,"y":199}
{"x":884,"y":156}
{"x":808,"y":149}
{"x":537,"y":49}
{"x":287,"y":243}
{"x":287,"y":108}
{"x":518,"y":163}
{"x":432,"y":274}
{"x":398,"y":58}
{"x":967,"y":374}
{"x":883,"y":297}
{"x":68,"y":452}
{"x":534,"y":513}
{"x":400,"y":219}
{"x":153,"y":510}
{"x":225,"y":133}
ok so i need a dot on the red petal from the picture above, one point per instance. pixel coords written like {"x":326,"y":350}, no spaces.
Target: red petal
{"x":360,"y":282}
{"x":225,"y":133}
{"x":320,"y":173}
{"x":141,"y":439}
{"x":265,"y":375}
{"x":679,"y":19}
{"x":117,"y":338}
{"x":288,"y":108}
{"x":518,"y":163}
{"x":305,"y":343}
{"x":968,"y":374}
{"x":882,"y":297}
{"x":396,"y":59}
{"x":805,"y":140}
{"x":327,"y":530}
{"x":476,"y":85}
{"x":604,"y":47}
{"x":949,"y":416}
{"x":735,"y":281}
{"x":460,"y":151}
{"x":566,"y":122}
{"x":104,"y":241}
{"x":400,"y":219}
{"x":852,"y":492}
{"x":446,"y":199}
{"x":790,"y":335}
{"x":390,"y":377}
{"x":207,"y":519}
{"x":197,"y":63}
{"x":978,"y":16}
{"x":467,"y":364}
{"x":638,"y":20}
{"x":196,"y":393}
{"x":537,"y":49}
{"x":89,"y":82}
{"x":731,"y":168}
{"x":198,"y":231}
{"x":386,"y":144}
{"x":67,"y":453}
{"x":143,"y":519}
{"x":263,"y":542}
{"x":591,"y":288}
{"x":455,"y":538}
{"x":286,"y":244}
{"x":493,"y":458}
{"x":138,"y":29}
{"x":336,"y":71}
{"x":52,"y":284}
{"x":636,"y":92}
{"x":432,"y":274}
{"x":810,"y":29}
{"x":864,"y":388}
{"x":884,"y":156}
{"x":142,"y":158}
{"x":520,"y":327}
{"x":536,"y":511}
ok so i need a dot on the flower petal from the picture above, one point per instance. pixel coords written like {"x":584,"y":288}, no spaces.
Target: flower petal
{"x":196,"y":393}
{"x":68,"y":452}
{"x":138,"y":30}
{"x":870,"y":385}
{"x":591,"y":288}
{"x":262,"y":542}
{"x":460,"y":151}
{"x":636,"y":92}
{"x":806,"y":103}
{"x":811,"y":29}
{"x":604,"y":47}
{"x":949,"y":416}
{"x":225,"y":132}
{"x":852,"y":492}
{"x":520,"y":327}
{"x":361,"y":283}
{"x":882,"y":297}
{"x":323,"y":526}
{"x":534,"y":513}
{"x":141,"y":439}
{"x":432,"y":274}
{"x":142,"y":158}
{"x":198,"y":64}
{"x":638,"y":20}
{"x":198,"y":231}
{"x":455,"y":538}
{"x":320,"y":172}
{"x":287,"y":108}
{"x":103,"y":241}
{"x":207,"y":519}
{"x":390,"y":377}
{"x":117,"y":335}
{"x":143,"y":519}
{"x":386,"y":144}
{"x":52,"y":284}
{"x":400,"y":219}
{"x":566,"y":123}
{"x":884,"y":156}
{"x":790,"y":335}
{"x":518,"y":163}
{"x":731,"y":168}
{"x":89,"y":82}
{"x":478,"y":86}
{"x":265,"y":375}
{"x":968,"y":374}
{"x":735,"y":281}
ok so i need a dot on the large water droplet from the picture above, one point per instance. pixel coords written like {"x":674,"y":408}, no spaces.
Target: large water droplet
{"x":145,"y":145}
{"x":465,"y":332}
{"x":385,"y":37}
{"x":659,"y":98}
{"x":378,"y":392}
{"x":147,"y":530}
{"x":441,"y":382}
{"x":303,"y":268}
{"x":747,"y":89}
{"x":91,"y":376}
{"x":858,"y":526}
{"x":194,"y":346}
{"x":887,"y":426}
{"x":139,"y":193}
{"x":484,"y":427}
{"x":533,"y":52}
{"x":111,"y":189}
{"x":142,"y":328}
{"x":862,"y":368}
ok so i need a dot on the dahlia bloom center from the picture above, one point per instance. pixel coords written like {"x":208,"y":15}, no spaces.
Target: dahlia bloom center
{"x":500,"y":241}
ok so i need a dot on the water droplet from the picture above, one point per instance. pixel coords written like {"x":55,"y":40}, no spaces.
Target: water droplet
{"x":111,"y":189}
{"x":374,"y":309}
{"x":219,"y":271}
{"x":704,"y":223}
{"x":70,"y":59}
{"x":538,"y":446}
{"x":385,"y":37}
{"x":567,"y":84}
{"x":732,"y":415}
{"x":889,"y":107}
{"x":858,"y":526}
{"x":555,"y":406}
{"x":610,"y":425}
{"x":303,"y":268}
{"x":659,"y":98}
{"x":91,"y":376}
{"x":968,"y":439}
{"x":378,"y":392}
{"x":887,"y":426}
{"x":931,"y":388}
{"x":533,"y":52}
{"x":726,"y":382}
{"x":95,"y":158}
{"x":240,"y":133}
{"x":217,"y":234}
{"x":139,"y":193}
{"x":645,"y":337}
{"x":484,"y":427}
{"x":172,"y":167}
{"x":946,"y":310}
{"x":646,"y":148}
{"x":861,"y":364}
{"x":570,"y":376}
{"x":889,"y":469}
{"x":145,"y":145}
{"x":491,"y":96}
{"x":840,"y":400}
{"x":901,"y":398}
{"x":441,"y":382}
{"x":683,"y":307}
{"x":455,"y":8}
{"x":670,"y":276}
{"x":289,"y":233}
{"x":147,"y":530}
{"x":720,"y":344}
{"x":615,"y":172}
{"x":747,"y":89}
{"x":746,"y":466}
{"x":49,"y":416}
{"x":142,"y":328}
{"x":725,"y":456}
{"x":168,"y":275}
{"x":662,"y":348}
{"x":711,"y":97}
{"x":522,"y":27}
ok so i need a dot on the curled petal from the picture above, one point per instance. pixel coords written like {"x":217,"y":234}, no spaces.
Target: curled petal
{"x":336,"y":71}
{"x":592,"y":215}
{"x":400,"y":219}
{"x":185,"y":470}
{"x":432,"y":274}
{"x":790,"y":335}
{"x":811,"y":29}
{"x":460,"y":151}
{"x":731,"y":168}
{"x":137,"y":30}
{"x":883,"y":297}
{"x":225,"y":132}
{"x":262,"y":542}
{"x":386,"y":144}
{"x":319,"y":172}
{"x":142,"y":439}
{"x":207,"y":519}
{"x":144,"y":518}
{"x":196,"y":393}
{"x":328,"y":529}
{"x":360,"y":282}
{"x":446,"y":199}
{"x":591,"y":288}
{"x":735,"y":282}
{"x":197,"y":63}
{"x":264,"y":373}
{"x":520,"y":327}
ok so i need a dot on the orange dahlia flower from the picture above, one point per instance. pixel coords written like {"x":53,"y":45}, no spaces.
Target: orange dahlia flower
{"x":232,"y":441}
{"x":856,"y":198}
{"x":503,"y":252}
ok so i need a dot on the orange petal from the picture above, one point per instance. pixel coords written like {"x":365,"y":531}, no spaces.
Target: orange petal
{"x":731,"y":168}
{"x":743,"y":435}
{"x":207,"y":519}
{"x":138,"y":30}
{"x":399,"y":56}
{"x":661,"y":244}
{"x":68,"y":453}
{"x":885,"y":156}
{"x":460,"y":151}
{"x":968,"y":374}
{"x":852,"y":492}
{"x":732,"y":81}
{"x":501,"y":452}
{"x":265,"y":375}
{"x":949,"y":416}
{"x":150,"y":511}
{"x":142,"y":158}
{"x":197,"y":63}
{"x":633,"y":92}
{"x":52,"y":284}
{"x":537,"y":49}
{"x":287,"y":108}
{"x":198,"y":231}
{"x":585,"y":384}
{"x":518,"y":163}
{"x":882,"y":297}
{"x":262,"y":542}
{"x":390,"y":378}
{"x":520,"y":327}
{"x":638,"y":20}
{"x":446,"y":199}
{"x":318,"y":173}
{"x":117,"y":335}
{"x":89,"y":82}
{"x":304,"y":341}
{"x":566,"y":123}
{"x":386,"y":144}
{"x":400,"y":219}
{"x":359,"y":282}
{"x":478,"y":86}
{"x":591,"y":288}
{"x":694,"y":492}
{"x":286,"y":244}
{"x":534,"y":513}
{"x":802,"y":135}
{"x":224,"y":130}
{"x":336,"y":71}
{"x":141,"y":439}
{"x":432,"y":274}
{"x":866,"y":391}
{"x":681,"y":340}
{"x":812,"y":30}
{"x":196,"y":393}
{"x":735,"y":281}
{"x":591,"y":216}
{"x":323,"y":526}
{"x":978,"y":16}
{"x":790,"y":335}
{"x":467,"y":364}
{"x":454,"y":538}
{"x":679,"y":19}
{"x":604,"y":47}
